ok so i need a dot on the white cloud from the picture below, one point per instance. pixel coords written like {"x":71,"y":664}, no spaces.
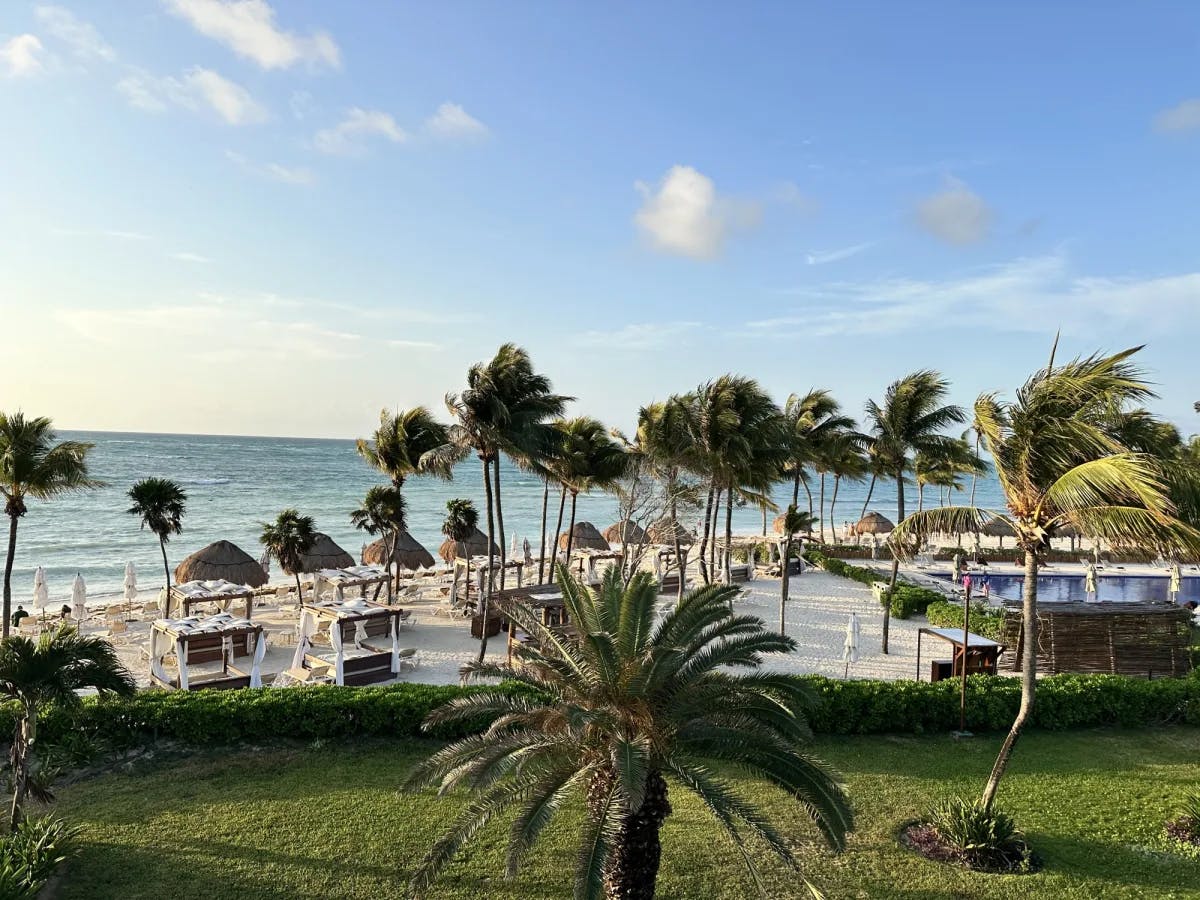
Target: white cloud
{"x":821,"y":257}
{"x":83,"y":39}
{"x":956,"y":214}
{"x":414,"y":345}
{"x":1184,"y":116}
{"x":248,"y":28}
{"x":348,"y":136}
{"x":103,"y":232}
{"x":452,"y":122}
{"x":1023,"y":295}
{"x":684,"y":215}
{"x":184,"y":256}
{"x":199,"y":88}
{"x":278,"y":172}
{"x":639,"y":336}
{"x":21,"y":56}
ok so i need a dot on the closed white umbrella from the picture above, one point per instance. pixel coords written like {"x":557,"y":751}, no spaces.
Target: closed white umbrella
{"x":130,"y":584}
{"x":79,"y":598}
{"x":41,"y":593}
{"x":513,"y":544}
{"x":265,"y":562}
{"x":850,"y":647}
{"x":1089,"y":582}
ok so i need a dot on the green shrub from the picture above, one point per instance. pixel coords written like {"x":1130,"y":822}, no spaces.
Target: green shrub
{"x":840,"y":567}
{"x":1183,"y":832}
{"x":985,"y":621}
{"x":982,"y":837}
{"x":911,"y":599}
{"x":30,"y":854}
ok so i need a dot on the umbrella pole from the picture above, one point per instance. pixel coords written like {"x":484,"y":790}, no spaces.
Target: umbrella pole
{"x":962,"y":699}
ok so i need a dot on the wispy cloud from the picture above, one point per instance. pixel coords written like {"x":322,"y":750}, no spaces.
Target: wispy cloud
{"x":247,"y":27}
{"x":684,"y":215}
{"x":298,"y":175}
{"x":955,"y":214}
{"x":640,"y":336}
{"x":184,"y":256}
{"x":821,"y":257}
{"x":1023,"y":295}
{"x":22,"y":56}
{"x":197,"y":89}
{"x":452,"y":122}
{"x":349,"y":136}
{"x":1183,"y":116}
{"x":83,"y":39}
{"x":114,"y":233}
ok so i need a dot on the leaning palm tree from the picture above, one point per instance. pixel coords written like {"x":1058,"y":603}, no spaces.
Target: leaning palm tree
{"x":33,"y":465}
{"x":383,"y":512}
{"x":462,"y":520}
{"x":809,"y":420}
{"x":665,"y":441}
{"x":794,"y":521}
{"x":51,"y":671}
{"x":616,"y":712}
{"x":1060,"y":460}
{"x":409,"y":442}
{"x":160,"y":503}
{"x":288,"y":539}
{"x":589,"y":458}
{"x":909,"y":421}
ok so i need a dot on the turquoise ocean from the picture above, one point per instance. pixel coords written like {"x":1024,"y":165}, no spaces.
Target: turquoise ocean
{"x":236,"y":483}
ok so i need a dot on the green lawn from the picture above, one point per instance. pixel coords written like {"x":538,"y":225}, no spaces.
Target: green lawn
{"x":327,"y":822}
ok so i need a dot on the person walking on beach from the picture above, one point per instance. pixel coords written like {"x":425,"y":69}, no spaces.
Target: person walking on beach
{"x":985,"y":583}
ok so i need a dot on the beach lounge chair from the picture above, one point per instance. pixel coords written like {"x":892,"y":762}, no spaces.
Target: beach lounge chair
{"x":29,"y":627}
{"x":409,"y":659}
{"x":405,"y":620}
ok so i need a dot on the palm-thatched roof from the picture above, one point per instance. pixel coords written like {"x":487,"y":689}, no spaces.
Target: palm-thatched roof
{"x":626,"y":532}
{"x":998,"y":528}
{"x":664,"y":531}
{"x":409,"y":553}
{"x":1066,"y":531}
{"x":323,"y":554}
{"x":222,"y":560}
{"x":778,"y":524}
{"x":475,"y":545}
{"x":585,"y":536}
{"x":874,"y":523}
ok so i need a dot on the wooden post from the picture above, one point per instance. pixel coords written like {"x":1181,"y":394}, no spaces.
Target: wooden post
{"x":962,"y":699}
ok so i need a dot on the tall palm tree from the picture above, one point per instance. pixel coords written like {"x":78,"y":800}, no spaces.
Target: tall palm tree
{"x":590,"y":458}
{"x":1060,"y":460}
{"x":409,"y":442}
{"x":383,"y":512}
{"x":846,"y":463}
{"x":288,"y":539}
{"x":618,"y":711}
{"x":910,"y":420}
{"x":462,"y":520}
{"x":52,"y":671}
{"x":809,"y":420}
{"x":160,"y":503}
{"x":794,"y":521}
{"x":664,"y":440}
{"x":34,"y":465}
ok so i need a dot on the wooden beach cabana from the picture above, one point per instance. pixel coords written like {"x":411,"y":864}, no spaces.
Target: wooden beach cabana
{"x":184,"y":597}
{"x":194,"y":641}
{"x":342,"y":579}
{"x":364,"y":640}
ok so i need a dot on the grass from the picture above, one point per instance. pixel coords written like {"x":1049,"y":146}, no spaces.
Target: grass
{"x":327,"y":822}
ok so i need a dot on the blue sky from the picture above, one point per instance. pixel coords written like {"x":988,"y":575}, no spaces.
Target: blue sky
{"x":222,"y":216}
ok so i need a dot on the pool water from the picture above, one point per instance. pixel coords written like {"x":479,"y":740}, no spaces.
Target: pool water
{"x":1113,"y":588}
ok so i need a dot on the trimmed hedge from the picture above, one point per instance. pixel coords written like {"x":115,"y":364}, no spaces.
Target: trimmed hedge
{"x":911,"y":599}
{"x":840,"y":567}
{"x":907,"y":599}
{"x":984,"y":621}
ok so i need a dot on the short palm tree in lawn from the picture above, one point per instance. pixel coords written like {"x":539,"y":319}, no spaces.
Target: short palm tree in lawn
{"x":34,"y":464}
{"x":383,"y":512}
{"x":619,"y":710}
{"x":910,"y":420}
{"x":160,"y":503}
{"x":462,"y":520}
{"x":1060,"y":459}
{"x":51,"y":670}
{"x":288,"y":539}
{"x":794,"y":522}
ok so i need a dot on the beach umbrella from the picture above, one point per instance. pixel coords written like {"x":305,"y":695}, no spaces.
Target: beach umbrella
{"x":130,"y":584}
{"x":409,"y":553}
{"x":626,"y":532}
{"x":850,"y":645}
{"x":265,"y":562}
{"x":586,"y":536}
{"x":323,"y":554}
{"x":79,"y":598}
{"x":1176,"y":580}
{"x":475,"y":545}
{"x":528,"y":550}
{"x":1089,"y":582}
{"x":999,"y":528}
{"x":221,"y":561}
{"x":874,"y":523}
{"x":512,"y":545}
{"x":664,"y":531}
{"x":41,"y":593}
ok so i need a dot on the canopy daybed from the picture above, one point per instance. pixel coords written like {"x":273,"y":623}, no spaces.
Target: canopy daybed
{"x":361,"y":577}
{"x":221,"y":592}
{"x":195,"y":641}
{"x":364,"y":640}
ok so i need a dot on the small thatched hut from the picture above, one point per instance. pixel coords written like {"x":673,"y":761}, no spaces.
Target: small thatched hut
{"x":409,"y":553}
{"x":323,"y":554}
{"x":585,"y":536}
{"x":874,"y":523}
{"x":778,"y":525}
{"x":664,"y":531}
{"x":998,"y":528}
{"x":475,"y":545}
{"x":222,"y":560}
{"x":625,"y":533}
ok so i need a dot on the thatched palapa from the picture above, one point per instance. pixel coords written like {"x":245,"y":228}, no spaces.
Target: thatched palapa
{"x":874,"y":523}
{"x":409,"y":553}
{"x":475,"y":545}
{"x":223,"y":561}
{"x":1000,"y":528}
{"x":323,"y":554}
{"x":777,"y":526}
{"x":664,"y":531}
{"x":626,"y":532}
{"x":584,"y":536}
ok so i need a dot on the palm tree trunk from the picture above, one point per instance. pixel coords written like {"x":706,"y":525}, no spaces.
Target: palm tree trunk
{"x":870,"y":491}
{"x":796,"y":488}
{"x":19,"y":758}
{"x":920,"y":496}
{"x":832,"y":504}
{"x":8,"y":567}
{"x":389,"y":543}
{"x":680,"y":559}
{"x":712,"y":550}
{"x":485,"y":595}
{"x":786,"y":571}
{"x":300,"y":592}
{"x":887,"y":606}
{"x":542,"y":546}
{"x":500,"y":520}
{"x":704,"y":574}
{"x":974,"y":475}
{"x":631,"y":870}
{"x":162,"y":545}
{"x":1028,"y":678}
{"x":764,"y":512}
{"x":808,"y":493}
{"x":562,"y":504}
{"x":821,"y":515}
{"x":571,"y":530}
{"x":727,"y":556}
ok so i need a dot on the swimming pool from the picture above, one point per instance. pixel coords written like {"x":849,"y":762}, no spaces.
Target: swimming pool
{"x":1116,"y":588}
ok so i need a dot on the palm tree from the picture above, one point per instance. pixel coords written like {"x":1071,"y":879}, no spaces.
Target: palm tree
{"x":1060,"y":460}
{"x":794,"y":522}
{"x":288,"y":539}
{"x":846,"y":463}
{"x":383,"y":511}
{"x":52,"y":670}
{"x":614,"y":714}
{"x":462,"y":520}
{"x":160,"y":503}
{"x":909,"y":421}
{"x":664,"y":441}
{"x":409,"y":442}
{"x":809,"y":419}
{"x":589,"y":458}
{"x":33,"y":465}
